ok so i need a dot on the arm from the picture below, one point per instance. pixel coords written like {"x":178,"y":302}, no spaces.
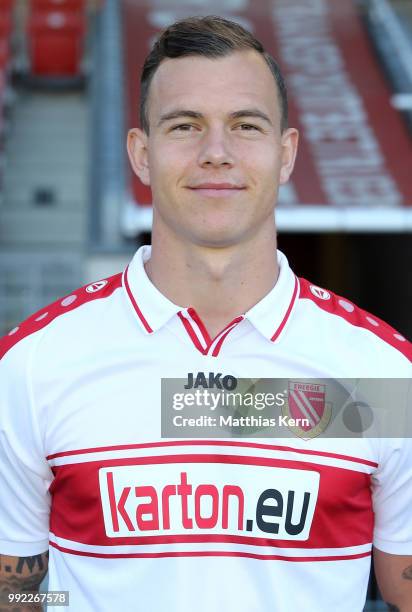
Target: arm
{"x":394,"y":576}
{"x":25,"y":477}
{"x":21,"y":574}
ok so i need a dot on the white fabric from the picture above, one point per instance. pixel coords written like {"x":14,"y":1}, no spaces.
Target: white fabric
{"x":88,"y":380}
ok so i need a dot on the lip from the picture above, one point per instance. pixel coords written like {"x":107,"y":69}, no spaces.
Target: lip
{"x":217,"y":190}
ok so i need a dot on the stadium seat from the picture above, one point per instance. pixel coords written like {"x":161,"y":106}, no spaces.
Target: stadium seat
{"x":60,"y":5}
{"x":56,"y":43}
{"x":7,"y":5}
{"x":6,"y":23}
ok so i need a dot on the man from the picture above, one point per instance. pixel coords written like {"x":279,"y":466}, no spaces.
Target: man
{"x":138,"y":522}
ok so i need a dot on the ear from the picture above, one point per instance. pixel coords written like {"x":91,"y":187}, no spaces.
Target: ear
{"x":137,"y":151}
{"x":289,"y":144}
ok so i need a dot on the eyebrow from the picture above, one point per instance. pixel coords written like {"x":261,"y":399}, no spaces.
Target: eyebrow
{"x":247,"y":112}
{"x":176,"y":114}
{"x":251,"y":112}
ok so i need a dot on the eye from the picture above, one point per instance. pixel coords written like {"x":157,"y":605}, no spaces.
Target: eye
{"x":182,"y":127}
{"x":248,"y":127}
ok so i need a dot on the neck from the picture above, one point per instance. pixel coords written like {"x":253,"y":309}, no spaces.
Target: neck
{"x":220,"y":283}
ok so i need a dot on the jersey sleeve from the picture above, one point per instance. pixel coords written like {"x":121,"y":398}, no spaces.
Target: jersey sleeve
{"x":25,"y":475}
{"x":392,"y":498}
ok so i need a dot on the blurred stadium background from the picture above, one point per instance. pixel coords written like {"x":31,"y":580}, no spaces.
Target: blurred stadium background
{"x":70,"y":210}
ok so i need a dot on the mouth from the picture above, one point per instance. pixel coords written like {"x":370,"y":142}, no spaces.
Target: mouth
{"x":217,"y":190}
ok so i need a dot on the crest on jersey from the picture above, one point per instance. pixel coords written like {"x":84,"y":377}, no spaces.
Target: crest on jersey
{"x":308,"y":407}
{"x":320,"y":293}
{"x":96,"y":286}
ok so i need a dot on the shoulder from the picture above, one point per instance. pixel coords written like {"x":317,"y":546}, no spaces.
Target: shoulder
{"x":62,"y":308}
{"x":340,"y":314}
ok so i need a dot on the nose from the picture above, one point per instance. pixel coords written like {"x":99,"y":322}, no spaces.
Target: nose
{"x":215,"y":149}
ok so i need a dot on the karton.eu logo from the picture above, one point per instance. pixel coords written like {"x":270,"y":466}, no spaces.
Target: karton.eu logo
{"x":203,"y":496}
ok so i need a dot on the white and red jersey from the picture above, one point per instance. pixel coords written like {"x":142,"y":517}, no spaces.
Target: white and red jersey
{"x":136,"y":521}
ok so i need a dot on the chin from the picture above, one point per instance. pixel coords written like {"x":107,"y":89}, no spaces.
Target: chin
{"x":217,"y":239}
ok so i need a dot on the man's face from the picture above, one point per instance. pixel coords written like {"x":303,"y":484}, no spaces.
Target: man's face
{"x":215,"y":155}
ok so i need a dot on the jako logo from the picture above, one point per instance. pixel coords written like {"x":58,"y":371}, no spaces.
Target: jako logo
{"x":213,"y":381}
{"x":96,"y":286}
{"x":320,"y":293}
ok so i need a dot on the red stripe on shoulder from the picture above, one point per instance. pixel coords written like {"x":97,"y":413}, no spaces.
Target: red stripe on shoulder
{"x":341,"y":307}
{"x":38,"y":320}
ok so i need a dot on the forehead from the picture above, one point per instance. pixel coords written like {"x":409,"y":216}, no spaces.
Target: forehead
{"x":211,"y":85}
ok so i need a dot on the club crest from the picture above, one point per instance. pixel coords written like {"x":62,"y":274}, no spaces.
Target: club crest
{"x":307,"y":404}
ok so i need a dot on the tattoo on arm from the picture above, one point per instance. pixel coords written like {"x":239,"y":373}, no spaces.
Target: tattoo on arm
{"x":407,"y":573}
{"x":20,"y":574}
{"x":33,"y":564}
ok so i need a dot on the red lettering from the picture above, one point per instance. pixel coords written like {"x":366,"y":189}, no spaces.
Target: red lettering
{"x":120,"y":506}
{"x":184,"y":490}
{"x":122,"y":509}
{"x":167,"y":492}
{"x":112,"y":500}
{"x":237,"y":492}
{"x":150,"y":508}
{"x":210,"y":491}
{"x":147,"y":513}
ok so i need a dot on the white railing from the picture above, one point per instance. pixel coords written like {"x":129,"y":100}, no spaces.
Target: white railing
{"x":383,"y":13}
{"x":108,"y":189}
